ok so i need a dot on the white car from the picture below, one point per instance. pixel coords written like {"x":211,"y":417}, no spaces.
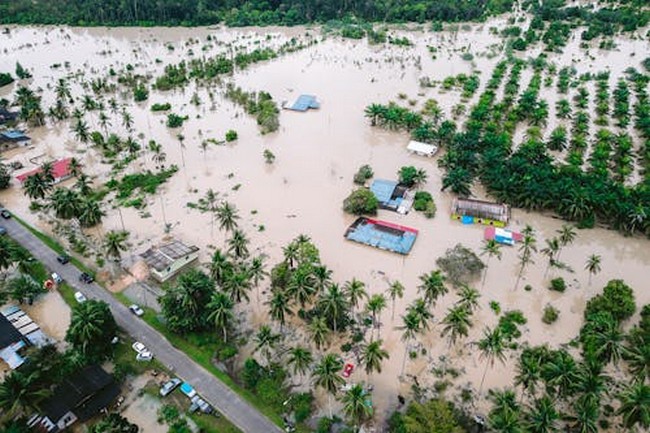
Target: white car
{"x":57,"y":278}
{"x":135,"y":309}
{"x":169,"y":386}
{"x":143,"y":352}
{"x":79,"y":297}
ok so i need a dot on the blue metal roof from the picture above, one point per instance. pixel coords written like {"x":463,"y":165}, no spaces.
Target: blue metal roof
{"x":14,"y":134}
{"x":383,"y":189}
{"x":305,"y":102}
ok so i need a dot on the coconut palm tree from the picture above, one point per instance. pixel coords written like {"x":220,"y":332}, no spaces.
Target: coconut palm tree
{"x":593,"y":265}
{"x":127,"y":120}
{"x":19,"y":395}
{"x":561,"y":374}
{"x":551,"y":250}
{"x":421,"y":309}
{"x":456,"y":324}
{"x":492,"y":347}
{"x":227,"y":217}
{"x":257,"y":272}
{"x":433,"y":286}
{"x":395,"y":290}
{"x":326,"y":375}
{"x":23,"y":287}
{"x":36,"y":186}
{"x":221,"y":312}
{"x":609,"y":343}
{"x":300,"y":359}
{"x":302,"y":285}
{"x":90,"y":212}
{"x":7,"y":253}
{"x":374,"y":112}
{"x":208,"y":203}
{"x":528,"y":372}
{"x":542,"y":417}
{"x":355,"y":290}
{"x":637,"y":355}
{"x":82,"y":185}
{"x":375,"y":305}
{"x":279,"y":307}
{"x":104,"y":121}
{"x":635,"y":405}
{"x":410,"y":328}
{"x":567,"y":234}
{"x":420,"y":178}
{"x":319,"y":331}
{"x":115,"y":243}
{"x":334,"y":305}
{"x":526,"y":250}
{"x":291,"y":253}
{"x":65,"y":203}
{"x":323,"y":276}
{"x":81,"y":131}
{"x":372,"y":355}
{"x":238,"y":244}
{"x":220,"y":267}
{"x":237,"y":285}
{"x":265,"y":341}
{"x":491,"y":248}
{"x":355,"y":406}
{"x":468,"y":298}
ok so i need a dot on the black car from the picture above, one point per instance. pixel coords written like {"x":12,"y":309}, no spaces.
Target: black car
{"x":63,"y":259}
{"x":5,"y":214}
{"x":86,"y":278}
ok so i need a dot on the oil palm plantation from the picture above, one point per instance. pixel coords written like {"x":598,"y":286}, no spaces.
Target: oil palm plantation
{"x":227,"y":217}
{"x":395,"y":291}
{"x":355,"y":405}
{"x":491,"y":248}
{"x":432,"y":286}
{"x":221,"y":312}
{"x":542,"y":417}
{"x":456,"y":324}
{"x":327,"y":375}
{"x":635,"y":406}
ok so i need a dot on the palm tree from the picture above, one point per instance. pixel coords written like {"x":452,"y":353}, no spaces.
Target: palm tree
{"x":326,"y":375}
{"x":593,"y":265}
{"x":279,"y":307}
{"x":635,"y":405}
{"x":433,"y":286}
{"x":65,"y":203}
{"x":291,"y":253}
{"x":208,"y":203}
{"x":585,"y":416}
{"x":542,"y":417}
{"x":23,"y":287}
{"x":373,"y":355}
{"x":469,"y":297}
{"x":323,"y":276}
{"x":355,"y":406}
{"x":561,"y":374}
{"x":395,"y":290}
{"x":410,"y":328}
{"x":221,"y":312}
{"x":355,"y":290}
{"x":375,"y":305}
{"x":319,"y":331}
{"x":551,"y":250}
{"x":421,"y":309}
{"x":420,"y":177}
{"x":127,"y":120}
{"x":81,"y":131}
{"x":493,"y":249}
{"x":90,"y":212}
{"x":237,"y":285}
{"x":528,"y":372}
{"x":374,"y":112}
{"x":528,"y":246}
{"x":115,"y":243}
{"x":302,"y":285}
{"x":220,"y":267}
{"x":82,"y":185}
{"x":18,"y":393}
{"x":300,"y":359}
{"x":609,"y":343}
{"x":334,"y":305}
{"x":567,"y":235}
{"x":265,"y":341}
{"x":227,"y":216}
{"x":637,"y":355}
{"x":104,"y":121}
{"x":36,"y":186}
{"x":238,"y":244}
{"x":181,"y":138}
{"x":257,"y":273}
{"x":456,"y":324}
{"x":492,"y":347}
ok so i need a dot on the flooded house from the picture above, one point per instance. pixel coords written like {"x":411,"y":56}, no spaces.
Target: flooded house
{"x":470,"y":211}
{"x":7,"y":116}
{"x":17,"y":332}
{"x":382,"y":234}
{"x":61,"y":170}
{"x":392,"y":195}
{"x":422,"y":149}
{"x":80,"y":397}
{"x":302,"y":103}
{"x":167,"y":260}
{"x":13,"y":138}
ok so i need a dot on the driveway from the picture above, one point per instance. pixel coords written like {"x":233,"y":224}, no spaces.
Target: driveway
{"x":230,"y":404}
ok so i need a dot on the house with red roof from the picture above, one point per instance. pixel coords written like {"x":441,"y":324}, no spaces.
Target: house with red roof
{"x":60,"y":170}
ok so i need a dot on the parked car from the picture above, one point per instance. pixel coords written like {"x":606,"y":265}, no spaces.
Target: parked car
{"x":199,"y":403}
{"x":143,"y":353}
{"x":86,"y":278}
{"x":5,"y":214}
{"x":169,"y":386}
{"x":56,"y":278}
{"x":79,"y":297}
{"x":139,"y":347}
{"x":63,"y":259}
{"x":187,"y":389}
{"x":135,"y":309}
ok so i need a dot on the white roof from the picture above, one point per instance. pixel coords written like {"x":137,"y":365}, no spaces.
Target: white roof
{"x":422,"y":148}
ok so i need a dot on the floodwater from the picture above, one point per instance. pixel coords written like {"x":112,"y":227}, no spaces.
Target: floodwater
{"x":51,"y":313}
{"x":317,"y":154}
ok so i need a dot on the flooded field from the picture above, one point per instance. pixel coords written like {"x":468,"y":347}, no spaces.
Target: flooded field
{"x":317,"y":154}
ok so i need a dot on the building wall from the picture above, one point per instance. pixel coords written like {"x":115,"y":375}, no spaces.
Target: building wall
{"x":174,"y":268}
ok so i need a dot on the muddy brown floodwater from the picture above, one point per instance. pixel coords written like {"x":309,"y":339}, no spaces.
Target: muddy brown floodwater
{"x":317,"y":154}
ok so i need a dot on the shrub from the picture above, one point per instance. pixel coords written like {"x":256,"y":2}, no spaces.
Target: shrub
{"x":5,"y":78}
{"x":231,"y":135}
{"x":430,"y":210}
{"x":302,"y":406}
{"x":175,"y":121}
{"x":361,"y":201}
{"x":140,"y":93}
{"x":161,"y":107}
{"x":460,"y":264}
{"x":363,"y":174}
{"x":509,"y":324}
{"x":407,"y":175}
{"x":558,"y":285}
{"x":495,"y":307}
{"x":617,"y":299}
{"x":422,"y":198}
{"x":269,"y":157}
{"x":550,"y":314}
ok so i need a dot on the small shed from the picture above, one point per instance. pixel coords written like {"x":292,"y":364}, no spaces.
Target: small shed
{"x":422,"y":149}
{"x":303,"y":103}
{"x":167,"y":260}
{"x":480,"y":212}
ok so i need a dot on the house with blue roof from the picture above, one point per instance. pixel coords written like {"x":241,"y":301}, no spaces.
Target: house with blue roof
{"x":392,"y":195}
{"x":302,"y":103}
{"x":13,"y":138}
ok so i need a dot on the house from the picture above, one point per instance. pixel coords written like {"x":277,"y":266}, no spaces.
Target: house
{"x":167,"y":260}
{"x":26,"y":326}
{"x":13,"y":138}
{"x":422,"y":149}
{"x":392,"y":195}
{"x":80,"y":397}
{"x":11,"y":343}
{"x":502,"y":236}
{"x":61,"y":171}
{"x":303,"y":103}
{"x":382,"y":234}
{"x":480,"y":212}
{"x":7,"y":116}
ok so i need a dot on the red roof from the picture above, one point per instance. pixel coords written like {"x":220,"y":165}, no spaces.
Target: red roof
{"x":60,"y":170}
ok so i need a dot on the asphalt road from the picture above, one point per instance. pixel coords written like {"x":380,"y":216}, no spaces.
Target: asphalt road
{"x":230,"y":404}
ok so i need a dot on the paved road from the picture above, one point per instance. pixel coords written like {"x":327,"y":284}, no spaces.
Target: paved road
{"x":234,"y":407}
